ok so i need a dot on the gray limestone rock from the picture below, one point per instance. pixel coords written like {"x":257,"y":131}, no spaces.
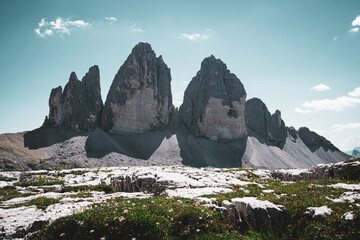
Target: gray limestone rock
{"x":292,"y":132}
{"x":146,"y":184}
{"x":214,"y":103}
{"x":254,"y":213}
{"x":317,"y":212}
{"x":263,"y":125}
{"x":139,"y":99}
{"x":77,"y":107}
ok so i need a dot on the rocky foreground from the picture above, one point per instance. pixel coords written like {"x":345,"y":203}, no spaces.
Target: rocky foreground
{"x":324,"y":200}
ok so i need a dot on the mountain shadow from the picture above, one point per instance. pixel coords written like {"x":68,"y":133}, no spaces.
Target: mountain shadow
{"x":48,"y":136}
{"x":201,"y":152}
{"x":142,"y":145}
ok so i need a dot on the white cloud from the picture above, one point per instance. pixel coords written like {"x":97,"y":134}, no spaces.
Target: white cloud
{"x":43,"y":23}
{"x":195,"y":36}
{"x":133,"y":28}
{"x":320,"y":87}
{"x":354,"y":29}
{"x":342,"y":127}
{"x":356,"y":22}
{"x":300,"y":110}
{"x":186,"y":82}
{"x":111,"y":19}
{"x":335,"y":38}
{"x":337,"y":104}
{"x":48,"y":32}
{"x":350,"y":142}
{"x":355,"y":93}
{"x":59,"y":26}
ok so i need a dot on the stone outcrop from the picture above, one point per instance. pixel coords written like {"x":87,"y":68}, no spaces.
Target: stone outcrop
{"x":134,"y":183}
{"x":255,"y":213}
{"x":139,"y":99}
{"x":317,"y":212}
{"x":78,"y":107}
{"x":214,"y":103}
{"x":346,"y":170}
{"x":262,"y":124}
{"x":314,"y":141}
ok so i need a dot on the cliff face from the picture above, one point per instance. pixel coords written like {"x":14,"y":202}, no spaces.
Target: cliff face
{"x":139,"y":99}
{"x":314,"y":141}
{"x":264,"y":125}
{"x":214,"y":103}
{"x":78,"y":107}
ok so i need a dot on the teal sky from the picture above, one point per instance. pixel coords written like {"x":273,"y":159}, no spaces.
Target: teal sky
{"x":278,"y":49}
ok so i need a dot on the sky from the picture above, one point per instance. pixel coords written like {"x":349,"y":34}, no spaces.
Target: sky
{"x":301,"y":57}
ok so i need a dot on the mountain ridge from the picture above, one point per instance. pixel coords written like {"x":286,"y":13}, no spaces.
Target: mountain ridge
{"x":214,"y":126}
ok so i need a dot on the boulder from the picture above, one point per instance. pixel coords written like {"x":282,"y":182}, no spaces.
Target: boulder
{"x":254,"y":213}
{"x":317,"y":212}
{"x":139,"y":99}
{"x":214,"y":103}
{"x":78,"y":107}
{"x":134,"y":183}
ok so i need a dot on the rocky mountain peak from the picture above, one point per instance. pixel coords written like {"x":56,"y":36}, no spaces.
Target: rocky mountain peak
{"x":139,"y":99}
{"x":314,"y":141}
{"x":262,"y":124}
{"x":214,"y":103}
{"x":73,"y":77}
{"x":277,"y":118}
{"x":78,"y":107}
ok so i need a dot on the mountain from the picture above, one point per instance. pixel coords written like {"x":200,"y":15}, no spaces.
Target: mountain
{"x":355,"y":152}
{"x":139,"y":99}
{"x":78,"y":107}
{"x":262,"y":124}
{"x":138,"y":125}
{"x":214,"y":103}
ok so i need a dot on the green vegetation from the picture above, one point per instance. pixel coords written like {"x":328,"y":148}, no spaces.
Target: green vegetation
{"x":10,"y":192}
{"x":103,"y":188}
{"x":81,"y":195}
{"x":351,"y":173}
{"x":352,"y":160}
{"x":79,"y":188}
{"x":100,"y":188}
{"x":155,"y":218}
{"x":40,"y":202}
{"x":178,"y":218}
{"x":80,"y":172}
{"x":39,"y":181}
{"x":296,"y":198}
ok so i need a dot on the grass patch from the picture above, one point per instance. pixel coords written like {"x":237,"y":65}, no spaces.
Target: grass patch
{"x":103,"y":188}
{"x":80,"y":173}
{"x":352,"y":160}
{"x":40,"y":202}
{"x":351,"y":173}
{"x":76,"y":188}
{"x":81,"y":195}
{"x":100,"y":188}
{"x":155,"y":218}
{"x":296,"y":198}
{"x":10,"y":192}
{"x":39,"y":181}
